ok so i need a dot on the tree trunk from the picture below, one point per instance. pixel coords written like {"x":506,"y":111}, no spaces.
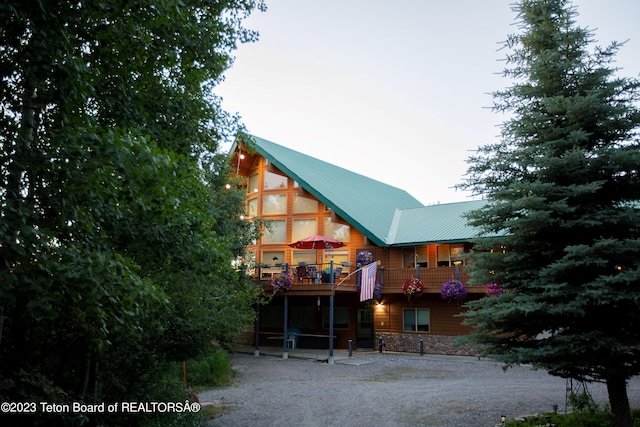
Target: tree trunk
{"x":87,"y":373}
{"x":617,"y":388}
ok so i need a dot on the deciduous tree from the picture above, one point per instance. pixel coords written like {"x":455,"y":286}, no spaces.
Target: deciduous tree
{"x":116,"y":231}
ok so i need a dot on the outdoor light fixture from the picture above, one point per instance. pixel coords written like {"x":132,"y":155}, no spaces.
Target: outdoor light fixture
{"x":275,"y":258}
{"x":240,"y":157}
{"x":227,"y":186}
{"x":503,"y":419}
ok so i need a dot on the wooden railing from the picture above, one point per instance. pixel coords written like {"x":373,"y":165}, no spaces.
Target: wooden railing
{"x":394,"y":278}
{"x":432,"y":278}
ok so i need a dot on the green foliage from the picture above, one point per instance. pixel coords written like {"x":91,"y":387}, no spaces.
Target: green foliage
{"x":594,"y":417}
{"x":562,"y":189}
{"x":211,"y":369}
{"x":117,"y":234}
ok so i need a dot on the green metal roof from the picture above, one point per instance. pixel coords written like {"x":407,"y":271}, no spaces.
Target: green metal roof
{"x":387,"y":215}
{"x":433,"y":224}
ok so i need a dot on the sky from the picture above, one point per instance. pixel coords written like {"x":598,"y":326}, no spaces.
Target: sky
{"x":397,"y":91}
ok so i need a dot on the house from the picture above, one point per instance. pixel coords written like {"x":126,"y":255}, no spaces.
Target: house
{"x":297,"y":196}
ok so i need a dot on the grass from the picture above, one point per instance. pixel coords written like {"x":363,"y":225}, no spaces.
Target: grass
{"x":210,"y":370}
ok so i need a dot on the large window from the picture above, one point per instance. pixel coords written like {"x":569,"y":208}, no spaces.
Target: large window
{"x":304,"y":204}
{"x":273,"y":258}
{"x":416,"y":319}
{"x":298,"y":256}
{"x":448,"y":254}
{"x":275,"y":231}
{"x":273,"y":181}
{"x":304,"y":228}
{"x":274,"y":204}
{"x":340,"y":317}
{"x":337,"y":256}
{"x":337,"y":231}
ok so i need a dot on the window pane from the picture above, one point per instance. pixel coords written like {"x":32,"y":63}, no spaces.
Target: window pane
{"x":408,"y":258}
{"x":273,"y":180}
{"x":422,"y":256}
{"x":337,"y":231}
{"x":409,"y":315}
{"x":457,"y":251}
{"x":299,"y":256}
{"x":273,"y":257}
{"x":304,"y":228}
{"x":304,"y":204}
{"x":423,"y":320}
{"x":337,"y":256}
{"x":443,"y":255}
{"x":274,"y":232}
{"x":253,"y":184}
{"x":274,"y":204}
{"x":252,"y":208}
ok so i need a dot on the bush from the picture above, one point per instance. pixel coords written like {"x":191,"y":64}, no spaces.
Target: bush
{"x":210,"y":370}
{"x":592,"y":417}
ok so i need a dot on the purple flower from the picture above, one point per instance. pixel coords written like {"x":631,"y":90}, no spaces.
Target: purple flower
{"x":453,"y":290}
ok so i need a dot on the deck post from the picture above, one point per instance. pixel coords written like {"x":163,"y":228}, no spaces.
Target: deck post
{"x":256,"y":351}
{"x":331,"y":325}
{"x":285,"y":349}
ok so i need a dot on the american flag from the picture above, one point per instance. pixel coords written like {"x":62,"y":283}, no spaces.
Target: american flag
{"x":368,"y":281}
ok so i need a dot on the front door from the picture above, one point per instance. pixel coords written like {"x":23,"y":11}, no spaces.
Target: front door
{"x":364,"y":328}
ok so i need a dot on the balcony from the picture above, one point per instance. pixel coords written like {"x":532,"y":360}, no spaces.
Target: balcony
{"x":432,"y":278}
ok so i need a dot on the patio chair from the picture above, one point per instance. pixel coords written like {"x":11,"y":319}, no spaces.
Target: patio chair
{"x":292,"y":337}
{"x":312,"y":273}
{"x":301,"y":273}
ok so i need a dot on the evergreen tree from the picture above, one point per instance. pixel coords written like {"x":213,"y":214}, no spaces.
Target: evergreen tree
{"x":562,"y":188}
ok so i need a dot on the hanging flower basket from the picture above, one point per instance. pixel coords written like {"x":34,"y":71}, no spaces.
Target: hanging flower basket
{"x":412,"y":288}
{"x":492,"y":289}
{"x":364,"y":257}
{"x":453,"y":290}
{"x":281,"y":282}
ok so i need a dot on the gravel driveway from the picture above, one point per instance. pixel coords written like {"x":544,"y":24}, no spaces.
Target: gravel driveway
{"x":387,"y":390}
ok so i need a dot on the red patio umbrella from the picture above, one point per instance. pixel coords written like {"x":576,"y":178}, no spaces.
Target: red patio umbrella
{"x":317,"y":241}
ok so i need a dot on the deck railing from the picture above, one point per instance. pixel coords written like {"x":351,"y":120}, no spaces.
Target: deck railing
{"x":394,"y":277}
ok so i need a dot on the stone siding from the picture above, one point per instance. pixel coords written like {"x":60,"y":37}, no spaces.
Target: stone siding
{"x":432,"y":344}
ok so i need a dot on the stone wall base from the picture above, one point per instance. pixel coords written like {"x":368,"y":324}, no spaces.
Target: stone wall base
{"x":432,"y":344}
